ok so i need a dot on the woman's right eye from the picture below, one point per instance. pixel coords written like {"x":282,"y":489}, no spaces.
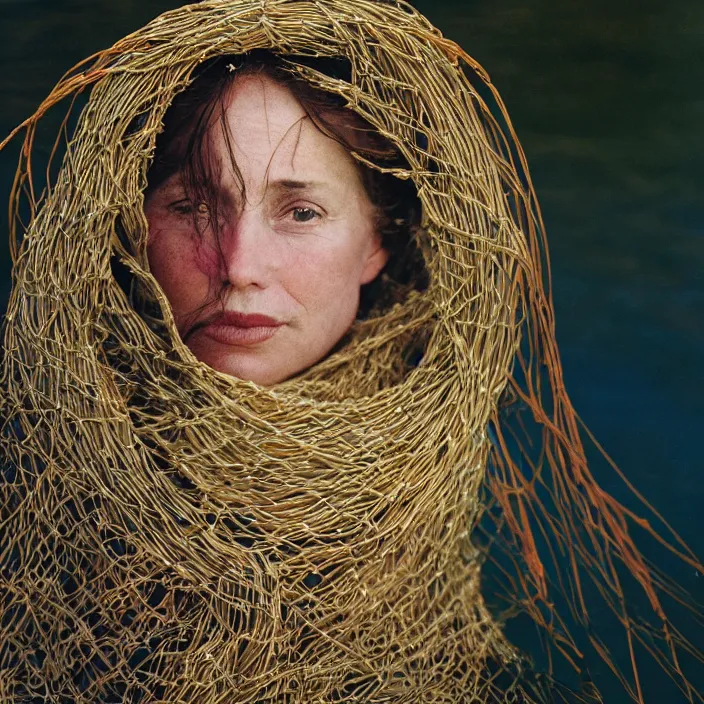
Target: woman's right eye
{"x":186,"y":207}
{"x":181,"y":207}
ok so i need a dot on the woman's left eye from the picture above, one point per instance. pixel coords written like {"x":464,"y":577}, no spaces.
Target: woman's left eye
{"x":304,"y":214}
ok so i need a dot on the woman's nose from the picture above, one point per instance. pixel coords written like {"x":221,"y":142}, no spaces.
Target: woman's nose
{"x":246,"y":251}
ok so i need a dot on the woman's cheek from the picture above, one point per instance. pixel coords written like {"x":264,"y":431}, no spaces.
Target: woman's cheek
{"x":207,"y":259}
{"x":328,"y":282}
{"x":178,"y":268}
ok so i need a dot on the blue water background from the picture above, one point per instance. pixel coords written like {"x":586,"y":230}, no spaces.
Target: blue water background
{"x":607,"y":98}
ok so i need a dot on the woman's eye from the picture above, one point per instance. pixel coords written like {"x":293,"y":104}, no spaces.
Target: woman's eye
{"x":186,"y":207}
{"x":304,"y":214}
{"x":181,"y":207}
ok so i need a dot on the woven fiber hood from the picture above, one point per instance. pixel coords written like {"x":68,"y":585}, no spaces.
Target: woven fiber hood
{"x":178,"y":535}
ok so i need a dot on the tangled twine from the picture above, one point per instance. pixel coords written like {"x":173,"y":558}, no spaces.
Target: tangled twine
{"x":183,"y":536}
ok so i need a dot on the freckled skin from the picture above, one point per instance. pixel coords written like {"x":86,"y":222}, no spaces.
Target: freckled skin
{"x":297,"y":253}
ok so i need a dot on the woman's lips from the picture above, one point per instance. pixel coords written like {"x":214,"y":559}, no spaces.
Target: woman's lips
{"x":240,"y":328}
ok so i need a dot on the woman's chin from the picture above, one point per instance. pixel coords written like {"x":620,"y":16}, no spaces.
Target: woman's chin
{"x":250,"y":363}
{"x":242,"y":365}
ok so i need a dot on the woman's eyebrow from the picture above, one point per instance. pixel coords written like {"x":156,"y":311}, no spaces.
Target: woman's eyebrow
{"x":292,"y":185}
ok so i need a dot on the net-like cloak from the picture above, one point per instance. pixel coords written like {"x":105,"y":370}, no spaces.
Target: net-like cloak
{"x":173,"y":534}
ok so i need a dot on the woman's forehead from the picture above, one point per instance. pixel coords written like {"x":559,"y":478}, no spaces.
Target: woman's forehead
{"x":268,"y":134}
{"x":255,"y":94}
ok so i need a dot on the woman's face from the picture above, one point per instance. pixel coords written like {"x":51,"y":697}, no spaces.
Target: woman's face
{"x":278,"y":286}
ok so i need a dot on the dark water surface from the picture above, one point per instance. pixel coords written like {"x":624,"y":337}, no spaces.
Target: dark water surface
{"x":607,"y":98}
